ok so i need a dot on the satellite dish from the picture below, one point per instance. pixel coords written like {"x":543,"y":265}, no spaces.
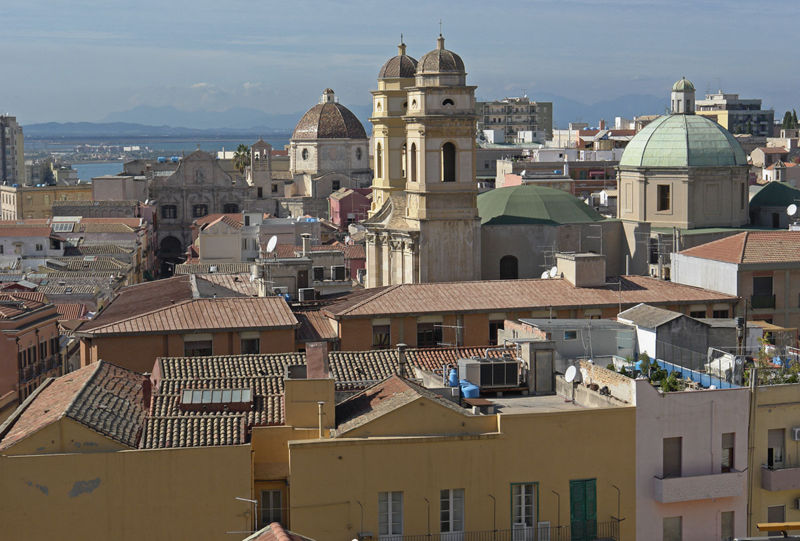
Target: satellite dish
{"x":571,"y":374}
{"x":545,"y":275}
{"x":271,"y":243}
{"x":553,"y":272}
{"x":791,"y":210}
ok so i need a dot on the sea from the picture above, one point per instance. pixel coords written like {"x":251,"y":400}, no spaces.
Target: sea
{"x":163,"y":146}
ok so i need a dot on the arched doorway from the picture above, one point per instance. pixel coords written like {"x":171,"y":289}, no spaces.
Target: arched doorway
{"x":509,"y":268}
{"x":170,"y":253}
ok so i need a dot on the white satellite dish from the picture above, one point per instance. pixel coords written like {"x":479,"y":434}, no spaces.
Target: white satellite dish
{"x":570,"y":374}
{"x":545,"y":275}
{"x":791,"y":210}
{"x":271,"y":243}
{"x":553,"y":272}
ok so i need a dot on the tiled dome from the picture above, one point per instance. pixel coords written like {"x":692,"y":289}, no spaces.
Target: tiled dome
{"x":399,"y":66}
{"x":329,"y":120}
{"x":440,"y":60}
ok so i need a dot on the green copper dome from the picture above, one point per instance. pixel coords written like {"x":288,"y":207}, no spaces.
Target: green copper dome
{"x":683,"y":85}
{"x":683,"y":141}
{"x":529,"y":204}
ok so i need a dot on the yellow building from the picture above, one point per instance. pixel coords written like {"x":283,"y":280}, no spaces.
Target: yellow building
{"x":18,"y":202}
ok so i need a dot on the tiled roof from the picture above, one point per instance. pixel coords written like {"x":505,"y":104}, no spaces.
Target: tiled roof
{"x":206,"y":314}
{"x":67,"y":289}
{"x":18,"y":303}
{"x":141,"y":298}
{"x":235,"y":284}
{"x":275,"y":532}
{"x":756,"y":247}
{"x":20,"y":229}
{"x":101,"y":396}
{"x":314,"y":326}
{"x":232,"y":219}
{"x":432,"y":359}
{"x":97,"y":249}
{"x":773,"y":150}
{"x":504,"y":295}
{"x":91,"y":263}
{"x":383,"y":398}
{"x":329,"y":121}
{"x":71,"y":311}
{"x":205,"y":268}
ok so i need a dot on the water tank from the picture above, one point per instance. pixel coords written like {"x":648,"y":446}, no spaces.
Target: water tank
{"x":469,"y":390}
{"x":452,"y":378}
{"x":175,"y":159}
{"x":162,"y":159}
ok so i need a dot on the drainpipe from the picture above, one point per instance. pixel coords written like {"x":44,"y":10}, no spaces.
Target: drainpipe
{"x":751,"y":446}
{"x":319,"y":411}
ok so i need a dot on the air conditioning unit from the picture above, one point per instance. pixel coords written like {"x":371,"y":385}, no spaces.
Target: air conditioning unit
{"x":796,"y":433}
{"x":306,"y":294}
{"x":281,"y":290}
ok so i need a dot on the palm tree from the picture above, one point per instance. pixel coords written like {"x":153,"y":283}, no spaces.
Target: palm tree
{"x":241,"y":158}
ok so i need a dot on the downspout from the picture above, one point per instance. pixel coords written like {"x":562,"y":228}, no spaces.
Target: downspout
{"x":751,"y":429}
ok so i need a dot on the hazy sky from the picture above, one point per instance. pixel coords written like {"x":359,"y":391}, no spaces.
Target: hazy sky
{"x":82,"y":59}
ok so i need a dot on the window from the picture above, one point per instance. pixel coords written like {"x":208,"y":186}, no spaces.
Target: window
{"x":358,"y":154}
{"x":271,"y":507}
{"x":39,"y":247}
{"x":413,"y":162}
{"x":403,"y":158}
{"x":726,"y":525}
{"x":447,"y":102}
{"x":304,"y":154}
{"x":318,"y":273}
{"x":246,"y":220}
{"x":509,"y":268}
{"x":429,"y":335}
{"x":776,"y":513}
{"x":230,"y":208}
{"x":378,"y":161}
{"x":2,"y":248}
{"x":727,"y":461}
{"x":697,"y":313}
{"x":672,"y":460}
{"x":381,"y":336}
{"x":663,"y":201}
{"x":274,"y":188}
{"x":673,"y":528}
{"x":336,"y":184}
{"x":570,"y":335}
{"x":775,"y":441}
{"x":170,"y":212}
{"x":451,"y":517}
{"x":260,"y":193}
{"x":762,"y":285}
{"x":494,"y":326}
{"x":448,"y":162}
{"x":251,"y":346}
{"x":721,"y":314}
{"x":198,"y":211}
{"x":390,"y":514}
{"x":523,"y":508}
{"x":193,"y":347}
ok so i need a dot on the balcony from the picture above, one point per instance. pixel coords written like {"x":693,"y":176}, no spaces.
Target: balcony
{"x":699,"y":487}
{"x":780,"y":478}
{"x":762,"y":301}
{"x":589,"y":531}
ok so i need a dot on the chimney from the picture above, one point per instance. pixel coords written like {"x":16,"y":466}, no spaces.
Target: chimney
{"x":582,"y":270}
{"x":317,"y":360}
{"x":306,"y":243}
{"x":602,"y":124}
{"x":401,"y":360}
{"x":147,"y":392}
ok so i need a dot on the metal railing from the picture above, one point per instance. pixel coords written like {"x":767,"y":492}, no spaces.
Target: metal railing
{"x":576,"y":531}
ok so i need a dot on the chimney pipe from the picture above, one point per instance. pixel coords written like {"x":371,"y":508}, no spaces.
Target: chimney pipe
{"x":401,"y":360}
{"x":306,"y":243}
{"x":319,"y":408}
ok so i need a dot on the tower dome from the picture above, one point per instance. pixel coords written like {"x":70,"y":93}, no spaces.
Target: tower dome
{"x":400,"y":66}
{"x":440,"y":60}
{"x":329,"y":119}
{"x":683,"y":85}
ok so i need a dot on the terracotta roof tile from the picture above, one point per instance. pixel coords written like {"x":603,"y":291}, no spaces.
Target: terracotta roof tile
{"x":205,"y":268}
{"x":315,"y":326}
{"x":773,"y":150}
{"x":71,"y":311}
{"x":755,"y":247}
{"x":237,"y":284}
{"x":206,"y":314}
{"x":18,"y":303}
{"x":275,"y":532}
{"x":503,"y":295}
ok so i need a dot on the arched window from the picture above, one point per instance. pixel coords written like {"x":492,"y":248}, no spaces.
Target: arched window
{"x":305,"y":154}
{"x":403,"y":158}
{"x":509,"y":268}
{"x":448,"y":162}
{"x":413,"y":162}
{"x":378,"y":161}
{"x":447,"y":102}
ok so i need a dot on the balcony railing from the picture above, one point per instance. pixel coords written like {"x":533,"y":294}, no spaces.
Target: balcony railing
{"x":762,"y":301}
{"x":578,"y":531}
{"x":784,"y":477}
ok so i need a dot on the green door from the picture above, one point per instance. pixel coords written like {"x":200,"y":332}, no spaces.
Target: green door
{"x":583,"y":509}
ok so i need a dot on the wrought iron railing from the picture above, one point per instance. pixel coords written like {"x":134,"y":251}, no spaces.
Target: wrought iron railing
{"x":576,"y":531}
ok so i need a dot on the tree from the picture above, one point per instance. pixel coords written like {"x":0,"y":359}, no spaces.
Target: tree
{"x":241,"y":158}
{"x":794,"y":119}
{"x":787,"y":120}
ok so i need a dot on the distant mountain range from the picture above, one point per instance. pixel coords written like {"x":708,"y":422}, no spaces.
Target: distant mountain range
{"x":146,"y":121}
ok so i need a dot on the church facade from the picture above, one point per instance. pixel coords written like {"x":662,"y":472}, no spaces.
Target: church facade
{"x":424,"y":225}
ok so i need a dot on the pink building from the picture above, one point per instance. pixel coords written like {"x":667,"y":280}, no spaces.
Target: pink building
{"x":349,"y":205}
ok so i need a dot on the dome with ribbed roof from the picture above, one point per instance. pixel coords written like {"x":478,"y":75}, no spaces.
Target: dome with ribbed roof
{"x":440,"y":60}
{"x":400,"y":66}
{"x":531,"y":204}
{"x":683,"y":141}
{"x":329,"y":120}
{"x":683,"y":85}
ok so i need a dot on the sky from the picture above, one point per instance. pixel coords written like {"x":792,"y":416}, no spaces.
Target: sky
{"x":80,"y":60}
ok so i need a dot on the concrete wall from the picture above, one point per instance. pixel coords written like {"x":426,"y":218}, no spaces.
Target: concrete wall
{"x":705,"y":273}
{"x":356,"y":470}
{"x":699,"y":418}
{"x":128,"y":495}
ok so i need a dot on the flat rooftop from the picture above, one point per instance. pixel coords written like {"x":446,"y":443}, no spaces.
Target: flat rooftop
{"x":509,"y":405}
